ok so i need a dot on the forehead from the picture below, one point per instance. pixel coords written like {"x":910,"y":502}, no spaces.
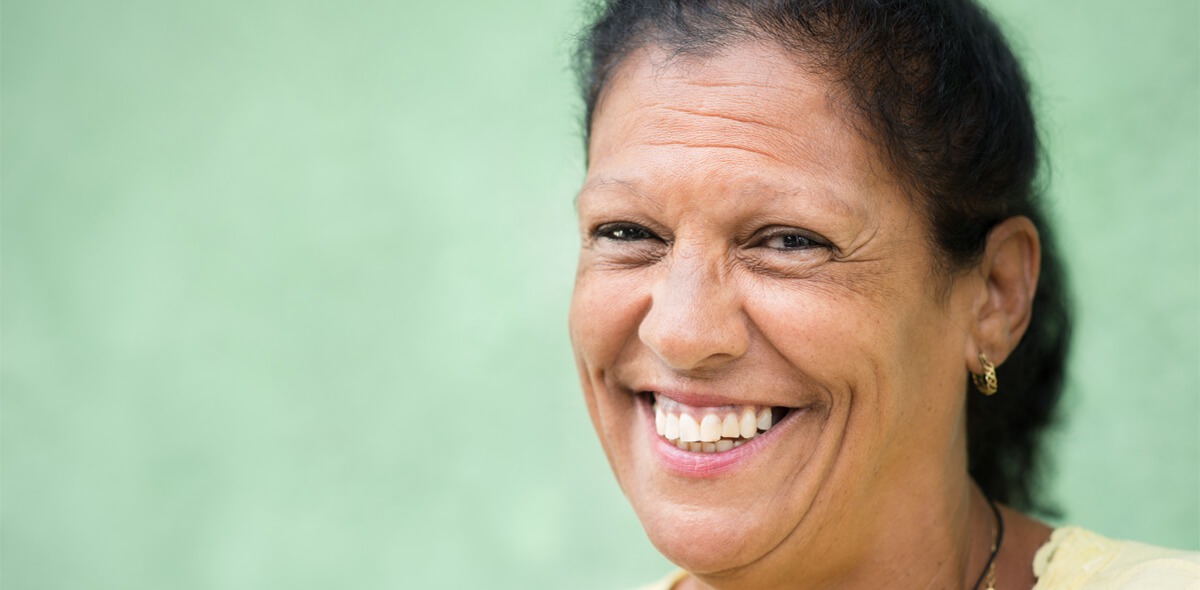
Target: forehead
{"x":750,"y":117}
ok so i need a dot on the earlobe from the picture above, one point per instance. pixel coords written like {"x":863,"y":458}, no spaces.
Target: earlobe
{"x":1009,"y":269}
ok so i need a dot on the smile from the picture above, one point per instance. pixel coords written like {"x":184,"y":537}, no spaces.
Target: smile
{"x":711,"y":429}
{"x":700,"y":441}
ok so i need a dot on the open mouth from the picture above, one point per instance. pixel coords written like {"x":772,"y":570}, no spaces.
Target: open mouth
{"x":711,"y":429}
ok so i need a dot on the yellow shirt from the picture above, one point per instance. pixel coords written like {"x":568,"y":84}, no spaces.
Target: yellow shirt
{"x":1075,"y":559}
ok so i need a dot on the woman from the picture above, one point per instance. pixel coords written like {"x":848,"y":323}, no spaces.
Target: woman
{"x":809,"y":230}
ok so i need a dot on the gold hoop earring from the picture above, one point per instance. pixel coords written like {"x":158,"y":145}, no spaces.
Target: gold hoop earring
{"x":985,"y":383}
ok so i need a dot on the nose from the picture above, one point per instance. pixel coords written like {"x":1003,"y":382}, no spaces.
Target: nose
{"x":695,"y":319}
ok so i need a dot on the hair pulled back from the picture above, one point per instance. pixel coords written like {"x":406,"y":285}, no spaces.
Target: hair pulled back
{"x":934,"y":84}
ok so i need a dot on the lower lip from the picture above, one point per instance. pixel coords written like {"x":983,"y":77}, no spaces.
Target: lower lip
{"x":706,"y":465}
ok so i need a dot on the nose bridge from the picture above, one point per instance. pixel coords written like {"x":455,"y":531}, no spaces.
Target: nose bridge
{"x":695,"y":319}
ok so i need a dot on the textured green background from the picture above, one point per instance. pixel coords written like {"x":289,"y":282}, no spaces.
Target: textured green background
{"x":285,"y":285}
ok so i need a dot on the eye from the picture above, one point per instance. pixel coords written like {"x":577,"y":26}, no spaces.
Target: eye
{"x":789,"y":242}
{"x":790,"y":239}
{"x":622,"y":232}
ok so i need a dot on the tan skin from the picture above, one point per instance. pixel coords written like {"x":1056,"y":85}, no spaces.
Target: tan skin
{"x":741,"y":239}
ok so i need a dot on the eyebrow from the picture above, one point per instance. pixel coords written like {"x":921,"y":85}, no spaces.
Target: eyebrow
{"x":824,"y":198}
{"x":607,"y":181}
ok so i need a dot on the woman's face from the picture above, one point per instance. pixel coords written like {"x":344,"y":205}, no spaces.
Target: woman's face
{"x":744,"y":248}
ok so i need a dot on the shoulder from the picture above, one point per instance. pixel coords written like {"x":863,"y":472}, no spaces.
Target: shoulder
{"x":1076,"y":559}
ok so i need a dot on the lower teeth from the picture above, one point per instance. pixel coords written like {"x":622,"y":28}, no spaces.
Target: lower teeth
{"x":720,"y":446}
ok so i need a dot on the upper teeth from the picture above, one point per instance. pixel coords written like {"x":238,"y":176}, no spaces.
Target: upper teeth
{"x":718,"y":428}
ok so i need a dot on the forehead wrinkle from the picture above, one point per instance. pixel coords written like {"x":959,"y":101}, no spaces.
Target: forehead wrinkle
{"x":726,"y":117}
{"x":762,"y":129}
{"x":777,"y":143}
{"x":690,"y":81}
{"x":750,"y":105}
{"x":800,"y":103}
{"x":719,"y":146}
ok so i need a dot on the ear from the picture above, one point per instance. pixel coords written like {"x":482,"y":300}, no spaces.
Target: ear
{"x":1009,"y":272}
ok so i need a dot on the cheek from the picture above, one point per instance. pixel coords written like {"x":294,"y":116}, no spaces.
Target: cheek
{"x":604,"y":316}
{"x":872,"y":353}
{"x":827,"y":333}
{"x":605,"y":310}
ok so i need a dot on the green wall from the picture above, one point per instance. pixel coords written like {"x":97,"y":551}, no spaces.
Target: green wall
{"x":285,"y":286}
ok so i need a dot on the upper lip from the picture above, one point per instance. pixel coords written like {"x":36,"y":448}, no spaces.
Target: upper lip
{"x":699,"y":400}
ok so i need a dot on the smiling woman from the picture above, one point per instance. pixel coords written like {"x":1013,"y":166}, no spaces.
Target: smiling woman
{"x":805,"y":227}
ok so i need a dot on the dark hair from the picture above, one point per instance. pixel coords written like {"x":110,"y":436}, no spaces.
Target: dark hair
{"x":934,"y":83}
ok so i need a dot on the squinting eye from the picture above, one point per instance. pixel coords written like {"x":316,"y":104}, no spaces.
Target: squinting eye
{"x":790,"y":242}
{"x":622,"y":232}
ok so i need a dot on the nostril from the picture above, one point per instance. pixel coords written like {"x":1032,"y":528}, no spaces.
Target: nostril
{"x":694,"y":317}
{"x":685,"y":343}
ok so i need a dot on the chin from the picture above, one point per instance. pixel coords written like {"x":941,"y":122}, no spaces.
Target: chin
{"x":707,"y":540}
{"x":718,"y":512}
